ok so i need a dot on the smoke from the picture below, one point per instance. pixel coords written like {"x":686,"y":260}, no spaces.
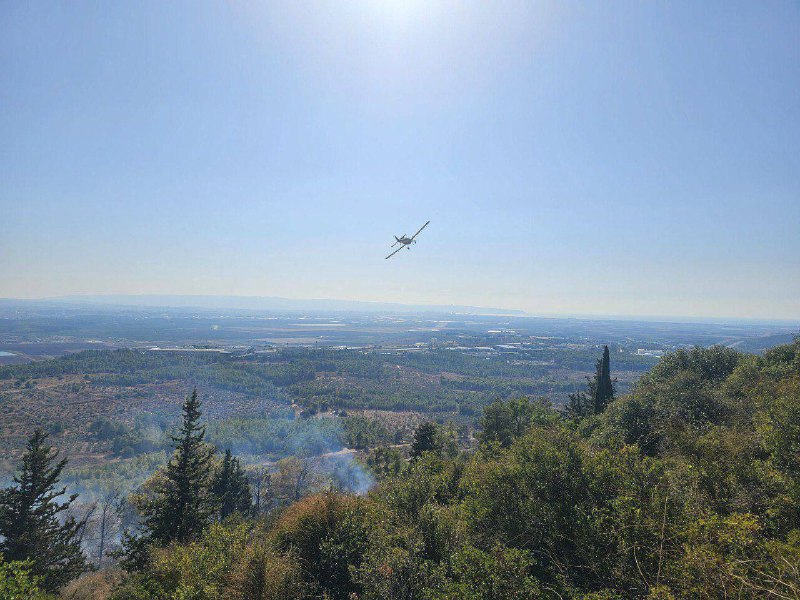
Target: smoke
{"x":350,"y":475}
{"x":267,"y":439}
{"x":272,"y":437}
{"x":324,"y":439}
{"x":255,"y":439}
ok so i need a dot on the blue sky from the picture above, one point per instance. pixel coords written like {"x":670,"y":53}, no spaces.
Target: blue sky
{"x":625,"y":158}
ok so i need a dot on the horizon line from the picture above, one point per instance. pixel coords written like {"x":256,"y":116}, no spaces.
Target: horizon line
{"x":488,"y":311}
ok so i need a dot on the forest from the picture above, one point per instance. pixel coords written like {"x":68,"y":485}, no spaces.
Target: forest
{"x":123,"y":401}
{"x":688,"y":486}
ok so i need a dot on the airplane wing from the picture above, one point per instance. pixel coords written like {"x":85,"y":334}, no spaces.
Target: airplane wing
{"x":395,"y":252}
{"x":420,"y":229}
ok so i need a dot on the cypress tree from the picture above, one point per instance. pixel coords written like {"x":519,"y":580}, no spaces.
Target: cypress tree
{"x":31,"y":526}
{"x":182,"y":505}
{"x":603,"y":387}
{"x":231,"y":488}
{"x":600,"y":391}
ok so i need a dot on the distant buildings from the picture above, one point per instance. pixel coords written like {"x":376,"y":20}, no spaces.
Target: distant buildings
{"x":644,"y":352}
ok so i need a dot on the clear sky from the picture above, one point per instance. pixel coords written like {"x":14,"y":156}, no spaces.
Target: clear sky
{"x":628,"y":158}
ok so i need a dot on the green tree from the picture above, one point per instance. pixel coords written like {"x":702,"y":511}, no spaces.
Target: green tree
{"x":231,"y":488}
{"x":495,"y":423}
{"x":500,"y":574}
{"x":385,"y":461}
{"x":17,"y":583}
{"x":603,"y":385}
{"x":579,"y":405}
{"x":182,"y":504}
{"x":328,"y":536}
{"x":31,"y":524}
{"x":503,"y":422}
{"x":680,"y":398}
{"x":426,"y":439}
{"x":600,"y":391}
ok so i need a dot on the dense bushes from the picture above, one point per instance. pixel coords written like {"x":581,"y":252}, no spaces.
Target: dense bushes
{"x":228,"y":562}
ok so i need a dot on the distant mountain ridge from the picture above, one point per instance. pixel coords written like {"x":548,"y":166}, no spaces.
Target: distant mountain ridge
{"x":271,"y":303}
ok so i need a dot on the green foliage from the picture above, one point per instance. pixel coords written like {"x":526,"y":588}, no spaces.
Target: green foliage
{"x":505,"y":421}
{"x":231,"y":488}
{"x":430,"y":437}
{"x":428,"y":480}
{"x":538,"y":494}
{"x":385,"y":462}
{"x":34,"y":525}
{"x":228,"y":562}
{"x":147,"y":435}
{"x":600,"y":391}
{"x":603,"y":386}
{"x":685,"y":488}
{"x":361,"y":433}
{"x":676,"y":401}
{"x":328,"y":536}
{"x":579,"y":405}
{"x":499,"y":573}
{"x":779,"y":426}
{"x":426,"y":439}
{"x":17,"y":583}
{"x":128,"y":367}
{"x":712,"y":364}
{"x":182,"y":504}
{"x":656,"y":499}
{"x":114,"y":400}
{"x":276,"y":437}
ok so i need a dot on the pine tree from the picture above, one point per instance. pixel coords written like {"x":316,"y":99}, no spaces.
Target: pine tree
{"x":231,"y":488}
{"x":31,"y":524}
{"x":603,"y":385}
{"x":580,"y":404}
{"x":182,"y":505}
{"x":426,"y":439}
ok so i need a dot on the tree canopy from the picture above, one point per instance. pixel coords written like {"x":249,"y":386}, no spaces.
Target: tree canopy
{"x":182,"y":504}
{"x":35,"y":526}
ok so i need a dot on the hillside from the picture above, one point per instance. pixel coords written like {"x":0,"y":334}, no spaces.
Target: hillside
{"x":685,"y":487}
{"x":140,"y":391}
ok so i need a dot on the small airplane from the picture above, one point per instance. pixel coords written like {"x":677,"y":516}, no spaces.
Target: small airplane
{"x":405,"y":241}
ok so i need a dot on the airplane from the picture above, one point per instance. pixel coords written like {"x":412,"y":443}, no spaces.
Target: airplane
{"x":405,"y":241}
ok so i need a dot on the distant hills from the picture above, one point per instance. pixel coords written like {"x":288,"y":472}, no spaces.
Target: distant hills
{"x":271,"y":303}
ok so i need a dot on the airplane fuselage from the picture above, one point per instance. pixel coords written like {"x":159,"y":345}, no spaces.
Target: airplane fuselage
{"x":405,"y":241}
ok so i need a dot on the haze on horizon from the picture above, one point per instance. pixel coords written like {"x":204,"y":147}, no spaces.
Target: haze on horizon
{"x":617,"y":159}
